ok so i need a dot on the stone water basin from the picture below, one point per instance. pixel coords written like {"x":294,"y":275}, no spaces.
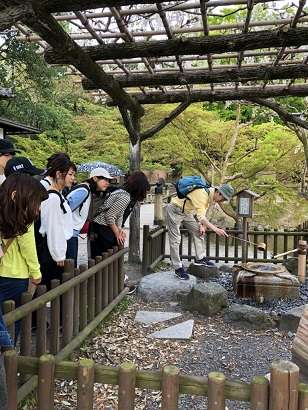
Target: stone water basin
{"x":264,"y":281}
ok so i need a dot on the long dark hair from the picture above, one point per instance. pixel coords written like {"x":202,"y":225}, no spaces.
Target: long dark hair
{"x":137,"y":186}
{"x":20,"y":199}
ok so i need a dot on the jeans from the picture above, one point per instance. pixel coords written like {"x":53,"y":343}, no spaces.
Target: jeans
{"x":12,"y":289}
{"x":72,"y":249}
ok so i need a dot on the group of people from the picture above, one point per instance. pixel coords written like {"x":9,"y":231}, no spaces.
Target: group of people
{"x":39,"y":226}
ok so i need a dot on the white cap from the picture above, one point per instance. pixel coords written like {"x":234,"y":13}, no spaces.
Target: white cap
{"x":102,"y":172}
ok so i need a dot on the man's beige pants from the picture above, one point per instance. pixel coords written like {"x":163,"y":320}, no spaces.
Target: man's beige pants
{"x":175,"y":217}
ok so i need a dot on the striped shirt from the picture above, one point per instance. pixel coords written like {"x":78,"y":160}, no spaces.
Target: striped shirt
{"x":112,"y":210}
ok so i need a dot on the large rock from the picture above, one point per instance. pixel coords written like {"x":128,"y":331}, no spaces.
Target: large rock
{"x":206,"y":298}
{"x":164,"y":286}
{"x":247,"y":317}
{"x":203,"y":272}
{"x":290,"y":320}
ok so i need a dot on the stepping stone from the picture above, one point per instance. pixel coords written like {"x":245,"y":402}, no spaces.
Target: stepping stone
{"x":180,"y":331}
{"x":144,"y":316}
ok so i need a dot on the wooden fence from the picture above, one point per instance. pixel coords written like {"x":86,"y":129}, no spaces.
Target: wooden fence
{"x":88,"y":295}
{"x":227,"y":249}
{"x":284,"y":391}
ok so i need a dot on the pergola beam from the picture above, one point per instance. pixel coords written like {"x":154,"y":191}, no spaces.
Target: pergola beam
{"x":205,"y":77}
{"x":244,"y":93}
{"x":187,"y":45}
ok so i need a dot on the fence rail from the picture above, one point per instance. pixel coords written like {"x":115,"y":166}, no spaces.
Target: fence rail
{"x":284,"y":391}
{"x":228,"y":249}
{"x":87,"y":296}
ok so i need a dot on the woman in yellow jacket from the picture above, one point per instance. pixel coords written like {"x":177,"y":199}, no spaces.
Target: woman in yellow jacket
{"x":20,"y":200}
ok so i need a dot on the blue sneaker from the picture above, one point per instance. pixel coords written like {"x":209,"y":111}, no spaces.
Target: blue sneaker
{"x":204,"y":262}
{"x":181,"y":274}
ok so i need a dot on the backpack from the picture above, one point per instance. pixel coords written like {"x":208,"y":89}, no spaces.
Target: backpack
{"x":84,"y":186}
{"x":188,"y":184}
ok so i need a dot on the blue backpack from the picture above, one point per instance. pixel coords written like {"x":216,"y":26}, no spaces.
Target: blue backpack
{"x":190,"y":183}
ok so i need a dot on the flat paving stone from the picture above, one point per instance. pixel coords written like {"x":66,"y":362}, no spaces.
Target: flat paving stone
{"x":179,"y":331}
{"x":145,"y":316}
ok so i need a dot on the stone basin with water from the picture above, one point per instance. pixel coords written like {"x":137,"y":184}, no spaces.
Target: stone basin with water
{"x":264,"y":281}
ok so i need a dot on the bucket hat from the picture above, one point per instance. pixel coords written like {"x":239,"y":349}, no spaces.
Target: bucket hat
{"x":6,"y":147}
{"x":21,"y":164}
{"x":226,"y":191}
{"x":102,"y":172}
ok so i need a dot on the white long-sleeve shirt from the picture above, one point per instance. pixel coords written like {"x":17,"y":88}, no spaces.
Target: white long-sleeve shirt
{"x":57,"y":225}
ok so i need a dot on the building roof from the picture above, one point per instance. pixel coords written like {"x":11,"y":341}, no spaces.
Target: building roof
{"x":14,"y":128}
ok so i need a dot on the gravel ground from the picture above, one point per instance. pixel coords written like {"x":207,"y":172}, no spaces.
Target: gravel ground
{"x":239,"y":354}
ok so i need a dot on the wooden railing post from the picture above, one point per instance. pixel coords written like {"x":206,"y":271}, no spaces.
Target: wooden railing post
{"x":259,"y":393}
{"x":121,"y":270}
{"x":25,"y":335}
{"x":85,"y":387}
{"x":46,"y":383}
{"x":170,"y":388}
{"x":91,"y":293}
{"x":76,"y":305}
{"x":11,"y":364}
{"x":284,"y":385}
{"x":127,"y":383}
{"x":41,"y":324}
{"x":115,"y":274}
{"x":302,"y":255}
{"x":105,"y":282}
{"x":158,"y":204}
{"x":67,"y":312}
{"x":216,"y":391}
{"x":98,"y":287}
{"x":83,"y":299}
{"x":302,"y":396}
{"x":110,"y":278}
{"x":55,"y":321}
{"x":145,"y":252}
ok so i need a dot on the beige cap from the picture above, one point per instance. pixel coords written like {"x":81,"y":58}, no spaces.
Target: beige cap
{"x":102,"y":172}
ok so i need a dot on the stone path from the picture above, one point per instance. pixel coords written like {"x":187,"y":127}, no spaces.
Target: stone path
{"x":179,"y":331}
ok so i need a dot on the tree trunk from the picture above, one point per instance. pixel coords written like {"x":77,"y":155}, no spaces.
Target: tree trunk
{"x":134,"y":230}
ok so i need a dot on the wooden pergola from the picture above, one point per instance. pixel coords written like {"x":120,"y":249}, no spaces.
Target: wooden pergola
{"x":134,"y":52}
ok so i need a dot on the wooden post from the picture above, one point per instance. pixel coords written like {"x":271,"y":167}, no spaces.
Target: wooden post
{"x":158,"y":204}
{"x":11,"y":364}
{"x":170,"y":388}
{"x":302,"y":396}
{"x":46,"y":382}
{"x":91,"y":293}
{"x":302,"y":252}
{"x":216,"y":391}
{"x":55,"y":320}
{"x":244,"y":244}
{"x":127,"y":383}
{"x":25,"y":336}
{"x":110,"y":278}
{"x":105,"y":282}
{"x":83,"y":299}
{"x":115,"y":274}
{"x":121,"y":270}
{"x":259,"y":393}
{"x":284,"y":385}
{"x":85,"y":387}
{"x":67,"y":312}
{"x":145,"y":251}
{"x":98,"y":287}
{"x":41,"y":325}
{"x":76,"y":305}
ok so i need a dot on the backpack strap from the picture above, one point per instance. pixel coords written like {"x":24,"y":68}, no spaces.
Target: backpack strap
{"x":7,"y":245}
{"x":62,"y":200}
{"x":47,"y":181}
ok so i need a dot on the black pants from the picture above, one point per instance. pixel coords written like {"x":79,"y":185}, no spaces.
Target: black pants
{"x":105,"y":239}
